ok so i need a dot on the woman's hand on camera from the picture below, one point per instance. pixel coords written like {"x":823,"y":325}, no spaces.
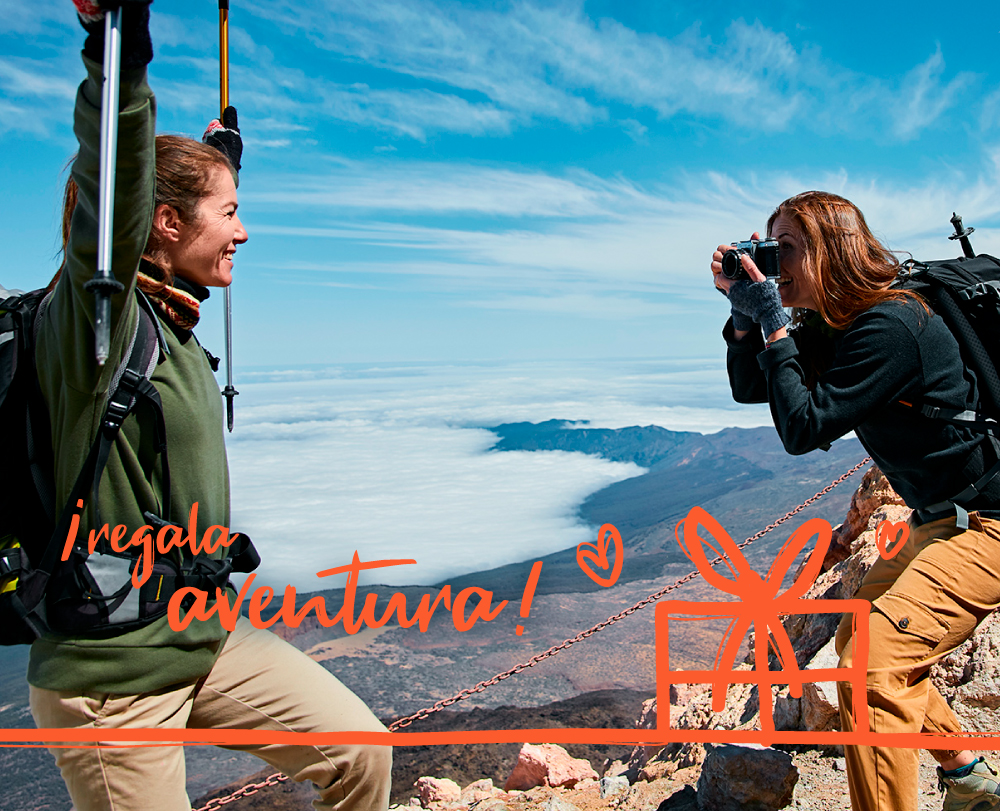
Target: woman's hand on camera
{"x":743,"y":322}
{"x":761,"y":303}
{"x":722,"y":281}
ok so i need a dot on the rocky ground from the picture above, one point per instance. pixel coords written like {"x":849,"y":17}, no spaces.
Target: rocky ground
{"x":821,"y":786}
{"x":691,"y":777}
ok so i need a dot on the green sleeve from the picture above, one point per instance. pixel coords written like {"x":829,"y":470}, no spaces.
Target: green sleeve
{"x":71,"y":311}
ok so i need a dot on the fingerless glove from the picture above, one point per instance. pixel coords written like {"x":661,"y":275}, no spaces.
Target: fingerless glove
{"x":759,"y":301}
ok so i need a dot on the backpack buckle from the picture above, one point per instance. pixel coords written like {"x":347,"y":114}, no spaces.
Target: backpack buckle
{"x":120,"y":404}
{"x":10,"y":561}
{"x":115,"y":415}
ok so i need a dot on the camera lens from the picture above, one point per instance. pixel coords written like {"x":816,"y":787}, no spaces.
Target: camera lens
{"x":731,"y":264}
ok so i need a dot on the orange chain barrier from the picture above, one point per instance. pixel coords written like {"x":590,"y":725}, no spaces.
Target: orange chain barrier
{"x":246,"y":791}
{"x":401,"y":723}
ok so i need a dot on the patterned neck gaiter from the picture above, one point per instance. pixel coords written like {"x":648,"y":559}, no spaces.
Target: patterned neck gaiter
{"x":180,"y":300}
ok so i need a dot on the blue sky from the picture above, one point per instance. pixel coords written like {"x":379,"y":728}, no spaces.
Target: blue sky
{"x":426,"y":180}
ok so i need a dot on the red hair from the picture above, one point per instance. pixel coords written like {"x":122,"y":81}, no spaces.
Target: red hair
{"x":849,"y":268}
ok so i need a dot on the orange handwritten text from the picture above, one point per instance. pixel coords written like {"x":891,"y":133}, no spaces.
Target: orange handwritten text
{"x":167,"y":538}
{"x":468,"y":607}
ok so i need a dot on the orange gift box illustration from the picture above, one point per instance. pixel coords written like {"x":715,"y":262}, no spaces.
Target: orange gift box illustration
{"x":760,"y":606}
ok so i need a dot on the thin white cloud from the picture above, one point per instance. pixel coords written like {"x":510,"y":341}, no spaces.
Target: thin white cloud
{"x":36,"y":98}
{"x":589,"y":305}
{"x":449,"y":67}
{"x":18,"y":118}
{"x":35,"y":79}
{"x":924,"y":96}
{"x":441,"y":188}
{"x":538,"y":62}
{"x":635,"y":130}
{"x":38,"y":17}
{"x":411,"y":113}
{"x":577,"y":244}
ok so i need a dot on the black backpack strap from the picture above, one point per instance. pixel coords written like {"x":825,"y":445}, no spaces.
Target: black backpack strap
{"x":37,"y":426}
{"x":978,"y":356}
{"x":124,"y":396}
{"x":954,"y":504}
{"x":965,"y":418}
{"x":147,"y":306}
{"x":131,"y":383}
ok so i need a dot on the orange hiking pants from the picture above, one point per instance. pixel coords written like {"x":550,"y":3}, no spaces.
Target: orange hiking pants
{"x":926,"y":601}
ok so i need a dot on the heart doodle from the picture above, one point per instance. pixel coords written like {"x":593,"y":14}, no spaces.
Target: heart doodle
{"x":600,"y":556}
{"x":896,"y":533}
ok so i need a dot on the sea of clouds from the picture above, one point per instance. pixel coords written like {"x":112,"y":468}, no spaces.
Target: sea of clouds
{"x":394,"y":461}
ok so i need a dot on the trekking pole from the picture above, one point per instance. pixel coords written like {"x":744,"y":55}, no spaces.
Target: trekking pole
{"x":104,"y":285}
{"x":962,"y":235}
{"x":229,"y":392}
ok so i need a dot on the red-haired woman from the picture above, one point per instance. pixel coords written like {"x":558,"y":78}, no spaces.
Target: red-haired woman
{"x":176,"y":232}
{"x":859,"y":348}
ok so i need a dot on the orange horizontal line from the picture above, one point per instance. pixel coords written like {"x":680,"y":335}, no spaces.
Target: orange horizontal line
{"x":229,"y":737}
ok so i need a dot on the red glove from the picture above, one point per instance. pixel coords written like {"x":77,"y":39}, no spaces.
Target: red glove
{"x":89,"y":12}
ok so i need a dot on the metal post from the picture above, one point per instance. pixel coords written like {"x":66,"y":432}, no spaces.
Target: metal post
{"x":962,"y":235}
{"x":229,"y":392}
{"x":103,"y":285}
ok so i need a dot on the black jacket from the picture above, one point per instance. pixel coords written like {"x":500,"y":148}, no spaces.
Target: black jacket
{"x":893,"y":352}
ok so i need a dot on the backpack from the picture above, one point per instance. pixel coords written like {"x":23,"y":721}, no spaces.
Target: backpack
{"x":88,"y":592}
{"x":965,"y":292}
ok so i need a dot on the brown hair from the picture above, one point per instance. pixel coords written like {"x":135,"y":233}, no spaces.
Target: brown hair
{"x":184,"y":173}
{"x":849,"y":268}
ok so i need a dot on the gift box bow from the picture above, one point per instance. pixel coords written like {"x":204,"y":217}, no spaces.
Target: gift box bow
{"x":761,"y":604}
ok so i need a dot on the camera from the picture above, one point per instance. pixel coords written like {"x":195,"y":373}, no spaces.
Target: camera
{"x":763,"y":252}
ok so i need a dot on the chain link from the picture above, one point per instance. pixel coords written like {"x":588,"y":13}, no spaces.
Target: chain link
{"x":246,"y":791}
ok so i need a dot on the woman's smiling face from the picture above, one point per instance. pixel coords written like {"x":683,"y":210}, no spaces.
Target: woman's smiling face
{"x":204,"y":253}
{"x":795,"y":287}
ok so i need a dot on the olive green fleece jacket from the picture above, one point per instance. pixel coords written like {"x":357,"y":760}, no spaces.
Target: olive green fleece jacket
{"x":75,"y":388}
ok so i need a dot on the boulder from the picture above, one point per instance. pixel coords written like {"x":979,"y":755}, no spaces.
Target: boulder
{"x":656,"y":769}
{"x":820,"y":707}
{"x":684,"y":800}
{"x":787,"y":712}
{"x":434,"y":790}
{"x":745,"y":777}
{"x":610,"y":786}
{"x":547,"y":765}
{"x":873,"y":492}
{"x":969,"y":678}
{"x":479,"y":790}
{"x":554,"y":803}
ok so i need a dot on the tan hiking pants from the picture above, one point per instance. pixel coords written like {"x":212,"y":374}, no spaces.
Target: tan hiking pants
{"x":258,"y":682}
{"x":926,"y":601}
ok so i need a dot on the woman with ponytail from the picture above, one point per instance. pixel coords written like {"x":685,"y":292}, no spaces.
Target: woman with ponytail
{"x":176,"y":235}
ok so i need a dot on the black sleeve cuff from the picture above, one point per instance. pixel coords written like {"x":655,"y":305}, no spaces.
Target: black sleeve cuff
{"x":751,"y":342}
{"x":781,"y":350}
